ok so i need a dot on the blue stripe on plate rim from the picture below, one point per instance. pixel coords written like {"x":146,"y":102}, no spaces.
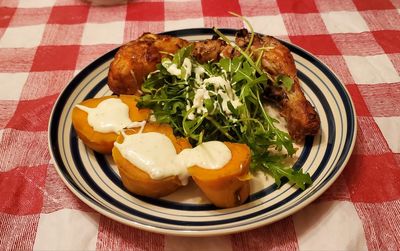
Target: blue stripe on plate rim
{"x":330,"y":176}
{"x":104,"y":165}
{"x":181,"y":206}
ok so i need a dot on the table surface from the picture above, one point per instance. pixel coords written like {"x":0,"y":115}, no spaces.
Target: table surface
{"x":43,"y":44}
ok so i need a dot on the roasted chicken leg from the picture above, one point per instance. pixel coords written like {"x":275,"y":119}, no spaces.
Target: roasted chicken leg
{"x":301,"y":117}
{"x":136,"y":59}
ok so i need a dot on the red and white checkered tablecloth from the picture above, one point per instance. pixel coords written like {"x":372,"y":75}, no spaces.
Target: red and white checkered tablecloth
{"x":44,"y":43}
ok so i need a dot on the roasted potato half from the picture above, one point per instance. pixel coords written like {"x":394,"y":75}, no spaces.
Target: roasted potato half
{"x":228,"y":186}
{"x":138,"y":181}
{"x":98,"y":141}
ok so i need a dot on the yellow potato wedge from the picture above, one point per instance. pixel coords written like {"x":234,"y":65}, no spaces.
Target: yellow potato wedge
{"x":98,"y":141}
{"x":138,"y":181}
{"x":226,"y":187}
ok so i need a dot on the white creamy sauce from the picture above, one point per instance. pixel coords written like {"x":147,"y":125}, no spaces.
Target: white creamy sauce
{"x":198,"y":101}
{"x":199,"y":72}
{"x":224,"y":104}
{"x":224,"y":89}
{"x":155,"y":154}
{"x":221,"y":84}
{"x":218,"y":82}
{"x":221,"y":87}
{"x":191,"y":115}
{"x":152,"y":118}
{"x":202,"y":91}
{"x":208,"y":155}
{"x":135,"y":124}
{"x":187,"y":65}
{"x":173,"y":69}
{"x":205,"y":87}
{"x":110,"y":115}
{"x":152,"y":73}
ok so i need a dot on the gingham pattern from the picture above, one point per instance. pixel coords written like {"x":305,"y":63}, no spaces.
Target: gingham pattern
{"x":43,"y":44}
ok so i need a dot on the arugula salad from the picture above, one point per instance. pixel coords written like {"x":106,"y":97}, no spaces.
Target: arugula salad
{"x":223,"y":101}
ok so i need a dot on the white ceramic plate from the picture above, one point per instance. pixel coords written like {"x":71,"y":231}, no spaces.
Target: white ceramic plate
{"x":94,"y":179}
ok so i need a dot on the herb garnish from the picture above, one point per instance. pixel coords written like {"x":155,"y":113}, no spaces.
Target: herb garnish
{"x":222,"y":101}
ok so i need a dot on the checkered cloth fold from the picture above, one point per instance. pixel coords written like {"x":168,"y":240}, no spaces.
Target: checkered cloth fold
{"x":43,"y":44}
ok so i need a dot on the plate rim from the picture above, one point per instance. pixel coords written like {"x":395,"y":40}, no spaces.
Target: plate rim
{"x":182,"y":32}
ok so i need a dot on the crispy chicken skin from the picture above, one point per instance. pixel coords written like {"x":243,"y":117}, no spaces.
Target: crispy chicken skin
{"x":136,"y":59}
{"x":301,"y":117}
{"x":211,"y":50}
